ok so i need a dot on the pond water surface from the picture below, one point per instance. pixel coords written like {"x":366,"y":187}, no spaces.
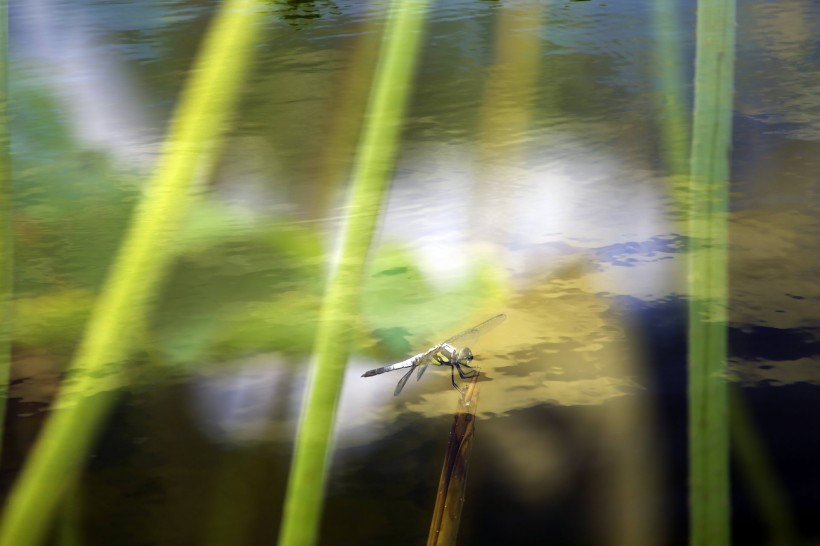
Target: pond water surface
{"x":532,"y":180}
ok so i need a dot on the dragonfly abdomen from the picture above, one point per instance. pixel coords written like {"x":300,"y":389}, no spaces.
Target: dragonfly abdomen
{"x":397,"y":366}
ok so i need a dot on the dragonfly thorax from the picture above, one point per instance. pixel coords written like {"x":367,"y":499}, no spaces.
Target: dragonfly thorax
{"x":449,"y":355}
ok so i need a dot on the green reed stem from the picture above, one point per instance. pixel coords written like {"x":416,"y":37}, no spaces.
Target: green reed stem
{"x":671,"y":98}
{"x":760,"y":476}
{"x":189,"y":151}
{"x":70,"y":517}
{"x":6,"y":226}
{"x":708,"y":274}
{"x":374,"y":163}
{"x":508,"y":106}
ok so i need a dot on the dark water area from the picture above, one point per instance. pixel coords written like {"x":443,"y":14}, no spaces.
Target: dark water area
{"x":779,"y":413}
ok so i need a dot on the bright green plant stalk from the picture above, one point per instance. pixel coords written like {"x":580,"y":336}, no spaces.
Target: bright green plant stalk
{"x":750,"y":452}
{"x":671,"y":99}
{"x":69,"y":520}
{"x":374,"y":163}
{"x":6,"y":226}
{"x":709,"y":177}
{"x":205,"y":104}
{"x":345,"y":118}
{"x":759,"y":476}
{"x":508,"y":107}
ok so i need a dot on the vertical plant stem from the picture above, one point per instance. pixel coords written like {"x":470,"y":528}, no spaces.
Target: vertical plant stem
{"x":343,"y":123}
{"x":70,"y":528}
{"x":708,"y":313}
{"x":670,"y":72}
{"x":669,"y":69}
{"x":214,"y":83}
{"x":374,"y":163}
{"x":760,"y":476}
{"x":508,"y":106}
{"x":6,"y":227}
{"x":234,"y":503}
{"x":509,"y":97}
{"x":453,"y":480}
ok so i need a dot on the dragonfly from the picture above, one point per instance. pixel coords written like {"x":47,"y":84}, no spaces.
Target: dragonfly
{"x":452,"y":352}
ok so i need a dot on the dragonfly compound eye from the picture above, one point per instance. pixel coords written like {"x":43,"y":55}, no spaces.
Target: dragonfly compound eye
{"x":466,"y":354}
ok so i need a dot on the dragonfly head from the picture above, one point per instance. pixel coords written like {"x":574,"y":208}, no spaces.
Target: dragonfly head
{"x":465,"y":355}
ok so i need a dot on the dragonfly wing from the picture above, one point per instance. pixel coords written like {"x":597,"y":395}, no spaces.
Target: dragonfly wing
{"x":403,"y":381}
{"x":422,"y":369}
{"x":425,"y":359}
{"x":465,"y":338}
{"x":421,"y":361}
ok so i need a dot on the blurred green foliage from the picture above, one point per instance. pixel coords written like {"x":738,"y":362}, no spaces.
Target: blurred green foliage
{"x":404,"y":305}
{"x":239,"y":291}
{"x":240,"y":284}
{"x":70,"y":205}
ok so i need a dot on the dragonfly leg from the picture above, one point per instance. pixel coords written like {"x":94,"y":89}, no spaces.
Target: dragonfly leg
{"x":462,"y":374}
{"x":453,"y":378}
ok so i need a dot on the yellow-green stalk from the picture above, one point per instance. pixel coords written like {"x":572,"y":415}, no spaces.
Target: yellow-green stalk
{"x":205,"y":104}
{"x":671,"y":102}
{"x":371,"y":173}
{"x":6,"y":226}
{"x":760,"y":477}
{"x":709,"y":500}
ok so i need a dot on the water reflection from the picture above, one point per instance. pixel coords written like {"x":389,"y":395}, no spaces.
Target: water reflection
{"x":528,"y":183}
